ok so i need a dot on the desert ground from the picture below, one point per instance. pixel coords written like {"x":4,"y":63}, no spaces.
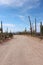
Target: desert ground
{"x":22,"y":50}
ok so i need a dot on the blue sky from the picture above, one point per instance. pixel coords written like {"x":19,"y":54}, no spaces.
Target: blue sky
{"x":14,"y":14}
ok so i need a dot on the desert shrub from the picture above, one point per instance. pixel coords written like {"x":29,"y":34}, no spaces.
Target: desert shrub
{"x":42,"y":30}
{"x":10,"y":35}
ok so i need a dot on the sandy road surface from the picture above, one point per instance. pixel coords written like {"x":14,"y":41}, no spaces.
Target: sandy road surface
{"x":22,"y":50}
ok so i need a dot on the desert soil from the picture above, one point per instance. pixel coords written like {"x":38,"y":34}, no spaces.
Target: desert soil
{"x":22,"y":50}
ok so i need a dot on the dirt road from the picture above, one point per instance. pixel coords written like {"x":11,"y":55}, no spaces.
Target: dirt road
{"x":22,"y":50}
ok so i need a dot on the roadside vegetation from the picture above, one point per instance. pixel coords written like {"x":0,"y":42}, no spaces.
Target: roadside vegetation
{"x":33,"y":32}
{"x":4,"y":36}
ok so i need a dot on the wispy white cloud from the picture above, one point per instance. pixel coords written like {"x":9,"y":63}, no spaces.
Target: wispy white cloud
{"x":8,"y":25}
{"x":37,"y":27}
{"x":21,"y":17}
{"x":20,"y":3}
{"x":12,"y":2}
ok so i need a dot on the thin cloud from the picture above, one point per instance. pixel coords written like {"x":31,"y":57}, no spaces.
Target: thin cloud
{"x":16,"y":3}
{"x":8,"y":25}
{"x":37,"y":27}
{"x":20,"y":3}
{"x":21,"y":17}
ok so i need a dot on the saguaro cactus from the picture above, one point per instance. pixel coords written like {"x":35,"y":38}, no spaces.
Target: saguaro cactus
{"x":30,"y":25}
{"x":1,"y":27}
{"x":40,"y":28}
{"x":35,"y":25}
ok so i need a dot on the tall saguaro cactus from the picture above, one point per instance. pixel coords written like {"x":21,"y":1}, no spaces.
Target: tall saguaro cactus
{"x":35,"y":25}
{"x":1,"y":27}
{"x":41,"y":29}
{"x":30,"y":25}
